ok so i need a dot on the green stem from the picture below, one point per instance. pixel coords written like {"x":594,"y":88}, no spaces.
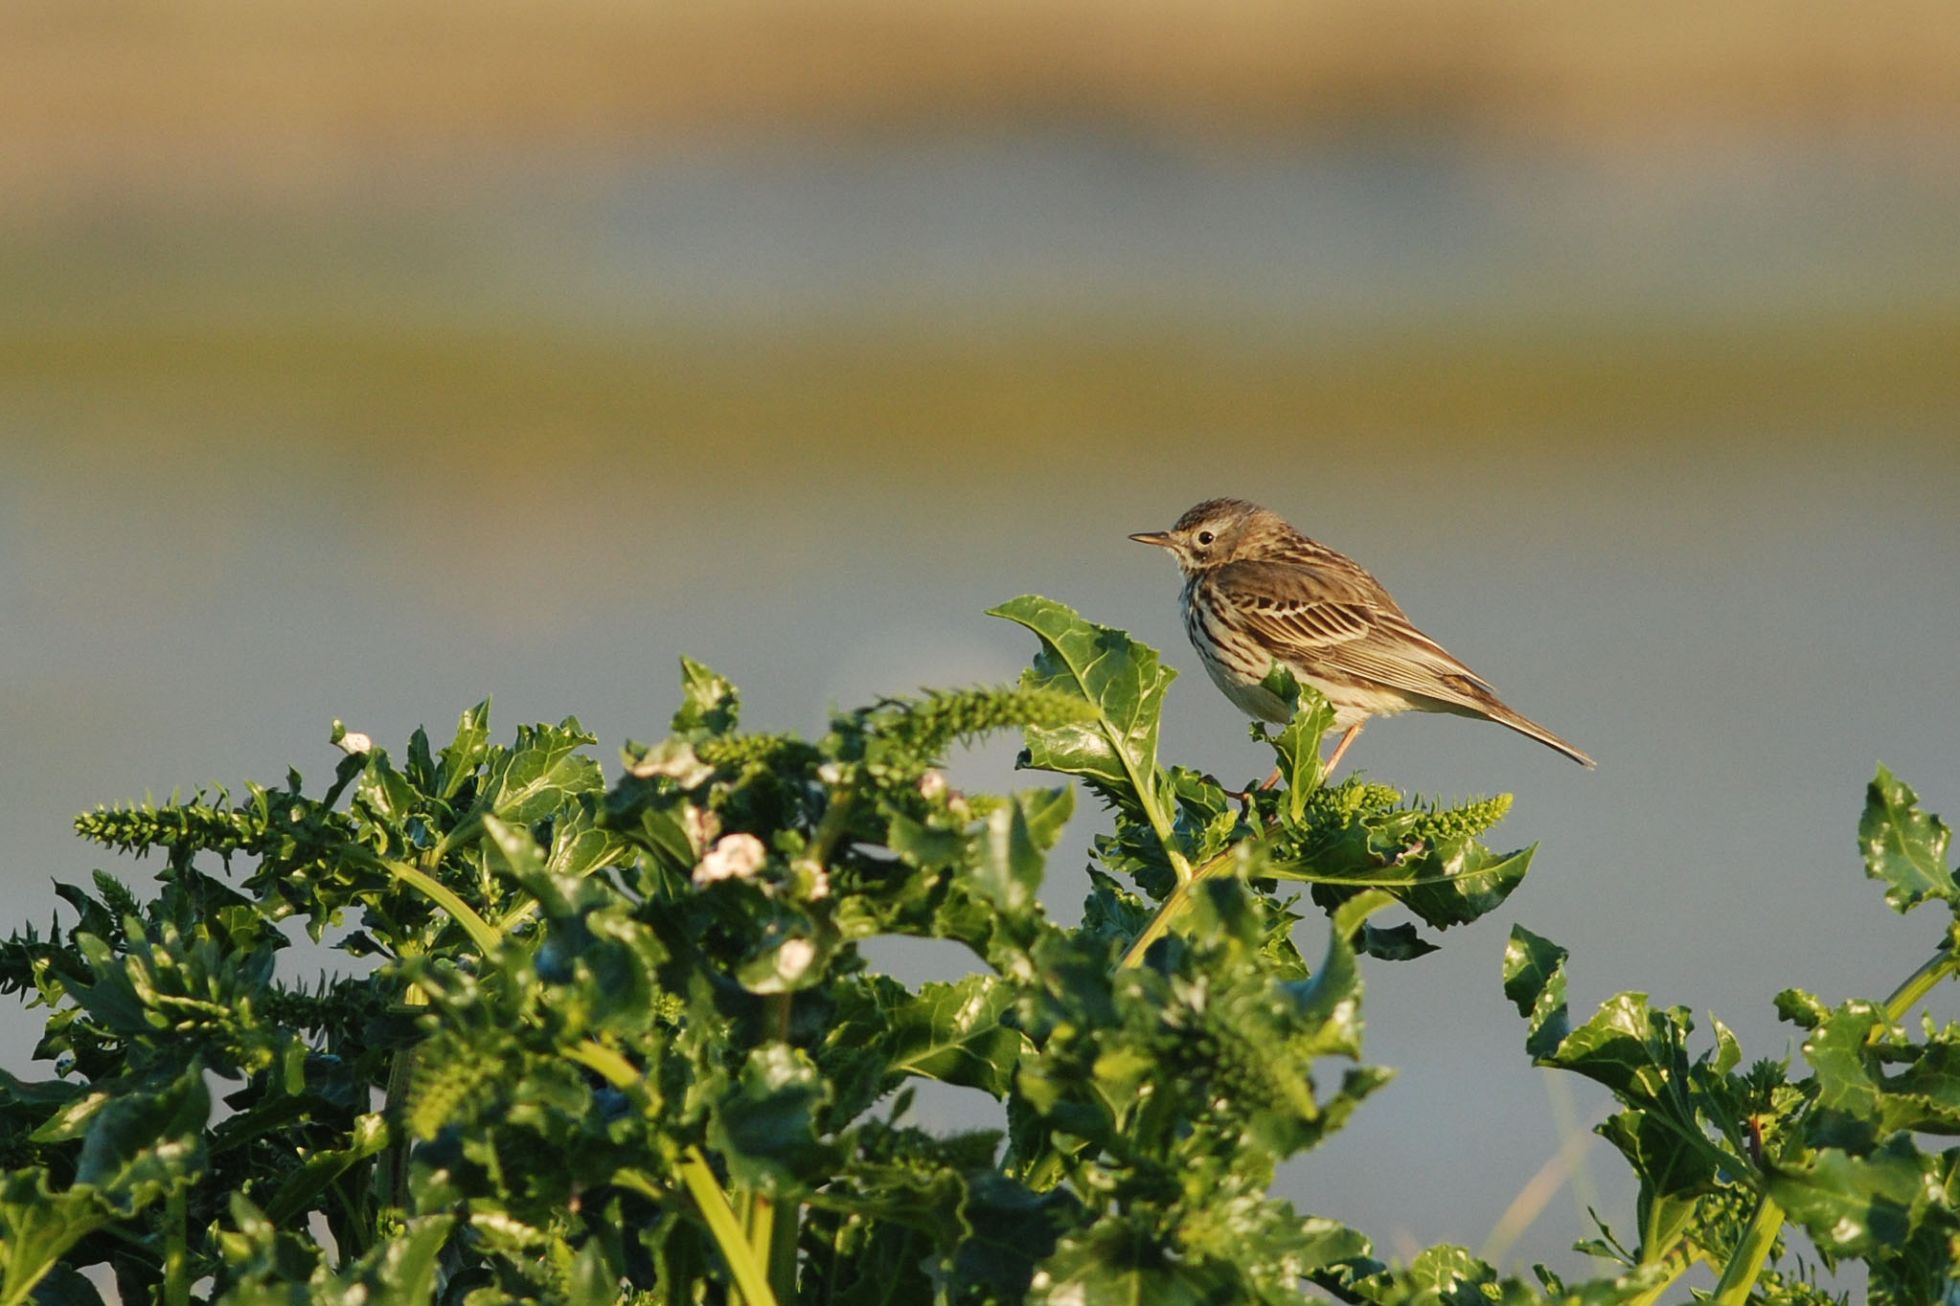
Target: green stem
{"x":611,"y":1066}
{"x":1675,"y":1269}
{"x":699,"y":1177}
{"x":1746,"y":1263}
{"x":772,"y":1225}
{"x":750,"y":1279}
{"x":1172,"y":907}
{"x":772,"y":1237}
{"x":1918,"y":984}
{"x":758,"y":1223}
{"x":176,"y":1251}
{"x":401,"y":1073}
{"x":466,"y":829}
{"x":479,"y":930}
{"x":782,"y":1262}
{"x":1766,"y":1221}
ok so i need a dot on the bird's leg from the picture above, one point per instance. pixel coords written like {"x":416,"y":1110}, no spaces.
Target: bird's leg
{"x":1347,"y":737}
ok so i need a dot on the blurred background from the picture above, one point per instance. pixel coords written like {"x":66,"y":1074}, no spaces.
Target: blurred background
{"x":360,"y":359}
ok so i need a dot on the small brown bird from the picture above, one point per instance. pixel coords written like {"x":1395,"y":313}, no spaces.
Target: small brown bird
{"x":1257,"y":592}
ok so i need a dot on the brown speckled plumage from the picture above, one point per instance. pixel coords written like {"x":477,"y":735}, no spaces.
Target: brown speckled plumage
{"x":1257,"y":591}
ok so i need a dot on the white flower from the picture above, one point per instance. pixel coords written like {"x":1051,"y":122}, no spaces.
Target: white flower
{"x":675,"y":759}
{"x":354,"y":743}
{"x":819,"y":882}
{"x":793,"y":958}
{"x":734,"y":856}
{"x":932,"y":784}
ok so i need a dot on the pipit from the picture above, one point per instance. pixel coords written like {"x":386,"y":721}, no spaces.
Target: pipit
{"x":1257,"y":592}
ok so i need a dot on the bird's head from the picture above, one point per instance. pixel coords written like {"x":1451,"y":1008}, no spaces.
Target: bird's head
{"x":1216,"y":532}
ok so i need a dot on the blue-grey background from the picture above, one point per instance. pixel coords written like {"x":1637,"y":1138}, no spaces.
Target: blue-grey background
{"x":1634,"y":382}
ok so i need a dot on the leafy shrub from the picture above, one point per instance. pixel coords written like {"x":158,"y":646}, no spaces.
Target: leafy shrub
{"x":620,"y":1043}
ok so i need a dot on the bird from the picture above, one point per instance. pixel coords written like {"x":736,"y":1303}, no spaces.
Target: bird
{"x":1257,"y":593}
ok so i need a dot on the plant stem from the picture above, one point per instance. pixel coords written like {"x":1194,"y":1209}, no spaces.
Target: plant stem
{"x":750,"y":1280}
{"x":1918,"y":984}
{"x":1746,"y":1263}
{"x":1171,"y":907}
{"x":176,"y":1252}
{"x":401,"y":1072}
{"x":479,"y":930}
{"x":1675,"y":1269}
{"x":772,"y":1225}
{"x":1766,"y":1221}
{"x":699,"y":1177}
{"x":758,"y":1222}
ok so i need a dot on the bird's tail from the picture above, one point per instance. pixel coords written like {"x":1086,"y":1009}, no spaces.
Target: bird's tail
{"x":1524,"y":725}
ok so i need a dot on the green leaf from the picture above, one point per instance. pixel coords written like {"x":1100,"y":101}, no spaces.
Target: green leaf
{"x":541,"y":773}
{"x":1904,"y":846}
{"x":466,"y":752}
{"x":1355,"y":837}
{"x":1124,"y":683}
{"x":1857,"y":1102}
{"x":403,"y":1268}
{"x":1297,"y":745}
{"x":709,"y":704}
{"x":1121,"y":1262}
{"x":141,"y":1145}
{"x":1009,"y":868}
{"x":767,"y":1129}
{"x":324,"y":1166}
{"x":1653,"y":1148}
{"x":1855,"y":1206}
{"x":384,"y":795}
{"x":511,"y":850}
{"x":1451,"y":1274}
{"x":1534,"y":980}
{"x":38,"y":1227}
{"x":580,"y":845}
{"x":953,"y":1033}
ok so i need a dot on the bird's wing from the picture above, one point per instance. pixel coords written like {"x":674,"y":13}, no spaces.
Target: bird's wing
{"x":1338,"y":622}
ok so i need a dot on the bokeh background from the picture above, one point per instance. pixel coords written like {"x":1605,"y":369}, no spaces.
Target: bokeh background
{"x":359,"y":359}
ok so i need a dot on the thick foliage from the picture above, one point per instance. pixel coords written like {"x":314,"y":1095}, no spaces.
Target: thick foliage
{"x":619,"y":1043}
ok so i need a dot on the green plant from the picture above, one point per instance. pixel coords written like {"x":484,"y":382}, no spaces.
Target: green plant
{"x":620,"y":1042}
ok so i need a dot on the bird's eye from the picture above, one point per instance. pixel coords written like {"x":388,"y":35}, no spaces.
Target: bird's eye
{"x":1206,"y":537}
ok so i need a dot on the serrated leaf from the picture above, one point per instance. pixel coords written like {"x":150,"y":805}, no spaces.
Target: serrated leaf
{"x":1009,"y":867}
{"x":540,"y":773}
{"x":1904,"y":846}
{"x":1534,"y":981}
{"x":1297,"y":745}
{"x":580,"y":845}
{"x":1123,"y":682}
{"x":1120,"y":1262}
{"x":1853,"y":1206}
{"x":766,"y":1129}
{"x":466,"y":751}
{"x":143,"y":1144}
{"x":39,"y":1226}
{"x":953,"y":1033}
{"x":709,"y":703}
{"x":1653,"y":1148}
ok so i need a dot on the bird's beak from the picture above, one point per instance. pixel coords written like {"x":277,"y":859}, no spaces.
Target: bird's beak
{"x":1162,"y":539}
